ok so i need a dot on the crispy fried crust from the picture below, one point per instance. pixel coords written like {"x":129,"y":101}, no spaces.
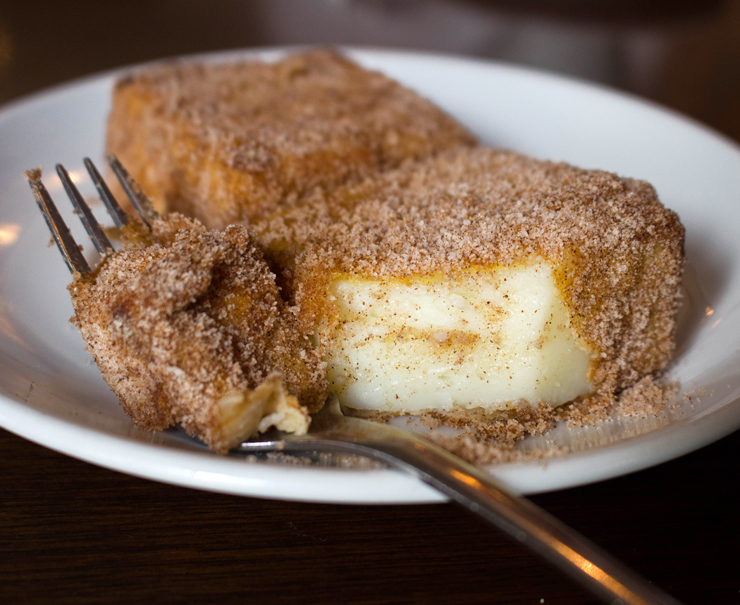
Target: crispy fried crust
{"x":341,"y":171}
{"x":226,"y":143}
{"x":187,"y":327}
{"x":616,"y":251}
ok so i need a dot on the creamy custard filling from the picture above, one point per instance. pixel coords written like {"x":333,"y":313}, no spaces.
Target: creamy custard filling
{"x":488,"y":338}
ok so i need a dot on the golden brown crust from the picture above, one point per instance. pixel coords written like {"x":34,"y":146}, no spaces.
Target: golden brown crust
{"x":616,"y":251}
{"x":187,"y":324}
{"x":225,"y":143}
{"x":342,"y":171}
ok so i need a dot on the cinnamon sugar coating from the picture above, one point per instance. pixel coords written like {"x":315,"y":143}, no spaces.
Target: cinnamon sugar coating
{"x":616,"y":252}
{"x":342,"y":172}
{"x":187,"y":327}
{"x":225,"y":143}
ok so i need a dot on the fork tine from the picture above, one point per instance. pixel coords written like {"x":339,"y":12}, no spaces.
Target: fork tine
{"x":97,"y":235}
{"x":116,"y":212}
{"x":140,"y":201}
{"x":66,"y":243}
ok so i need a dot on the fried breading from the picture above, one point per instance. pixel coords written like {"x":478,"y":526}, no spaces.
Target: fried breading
{"x":230,"y":142}
{"x":397,"y":249}
{"x":187,"y":327}
{"x":430,"y":275}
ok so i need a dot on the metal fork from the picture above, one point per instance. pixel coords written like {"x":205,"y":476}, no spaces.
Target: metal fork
{"x":59,"y":230}
{"x":332,"y":432}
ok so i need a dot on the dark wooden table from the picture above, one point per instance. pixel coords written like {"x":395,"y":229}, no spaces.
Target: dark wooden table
{"x":74,"y":533}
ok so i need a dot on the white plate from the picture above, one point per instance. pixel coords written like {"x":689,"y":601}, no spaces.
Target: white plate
{"x":51,"y":392}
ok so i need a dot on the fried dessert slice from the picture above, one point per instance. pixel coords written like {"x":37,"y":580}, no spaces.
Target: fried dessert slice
{"x":228,"y":143}
{"x":481,"y":281}
{"x":187,"y":327}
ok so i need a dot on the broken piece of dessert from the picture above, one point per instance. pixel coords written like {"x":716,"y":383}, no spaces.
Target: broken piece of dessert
{"x":187,"y":327}
{"x":231,"y":142}
{"x":481,"y":281}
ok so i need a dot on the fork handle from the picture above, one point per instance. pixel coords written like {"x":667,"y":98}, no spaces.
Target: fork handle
{"x":481,"y":494}
{"x":527,"y":523}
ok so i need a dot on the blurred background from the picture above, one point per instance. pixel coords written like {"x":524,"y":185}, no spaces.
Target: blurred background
{"x":682,"y":53}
